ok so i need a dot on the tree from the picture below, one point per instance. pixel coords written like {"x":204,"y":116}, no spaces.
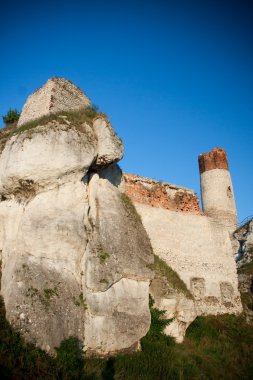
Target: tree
{"x":11,"y":116}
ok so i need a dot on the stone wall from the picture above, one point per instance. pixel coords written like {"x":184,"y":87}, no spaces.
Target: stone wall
{"x":58,"y":94}
{"x":197,"y":247}
{"x":160,"y":194}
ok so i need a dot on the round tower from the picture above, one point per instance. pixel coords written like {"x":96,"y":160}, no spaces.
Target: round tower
{"x":216,"y":187}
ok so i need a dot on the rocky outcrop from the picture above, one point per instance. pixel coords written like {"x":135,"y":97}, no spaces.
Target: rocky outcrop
{"x":74,"y":251}
{"x":244,"y":236}
{"x":116,"y":275}
{"x":76,"y":255}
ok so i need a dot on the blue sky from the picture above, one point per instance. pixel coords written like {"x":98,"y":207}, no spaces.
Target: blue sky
{"x":174,"y":77}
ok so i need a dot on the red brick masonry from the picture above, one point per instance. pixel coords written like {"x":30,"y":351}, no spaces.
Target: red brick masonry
{"x":161,"y":194}
{"x":216,"y":159}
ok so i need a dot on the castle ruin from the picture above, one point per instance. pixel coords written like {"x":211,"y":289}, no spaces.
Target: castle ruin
{"x":80,"y":240}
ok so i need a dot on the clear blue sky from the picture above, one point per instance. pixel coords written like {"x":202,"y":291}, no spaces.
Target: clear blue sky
{"x":175,"y":77}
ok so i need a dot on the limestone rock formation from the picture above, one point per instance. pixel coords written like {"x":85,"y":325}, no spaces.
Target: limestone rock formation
{"x":77,"y":236}
{"x":244,"y":236}
{"x":74,"y":252}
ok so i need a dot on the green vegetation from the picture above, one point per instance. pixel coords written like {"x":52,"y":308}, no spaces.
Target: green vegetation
{"x":156,"y":331}
{"x":246,"y":268}
{"x":44,"y":297}
{"x":247,"y":300}
{"x":214,"y":348}
{"x":130,"y":208}
{"x":75,"y":118}
{"x":103,"y":256}
{"x":161,"y":268}
{"x":11,"y":117}
{"x":32,"y":292}
{"x":247,"y":297}
{"x":69,"y":360}
{"x":50,"y":293}
{"x":69,"y":119}
{"x":82,"y":301}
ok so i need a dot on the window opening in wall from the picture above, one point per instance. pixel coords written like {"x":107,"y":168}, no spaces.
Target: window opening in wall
{"x":229,"y":192}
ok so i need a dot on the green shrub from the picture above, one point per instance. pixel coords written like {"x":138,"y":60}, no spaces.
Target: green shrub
{"x":215,"y":347}
{"x":12,"y":116}
{"x":157,"y":326}
{"x":70,"y":360}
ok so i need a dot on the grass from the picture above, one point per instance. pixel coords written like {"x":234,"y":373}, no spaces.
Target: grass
{"x":214,"y":348}
{"x":75,"y":119}
{"x":130,"y":208}
{"x":161,"y":268}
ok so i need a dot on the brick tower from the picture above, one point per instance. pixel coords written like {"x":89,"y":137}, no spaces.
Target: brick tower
{"x":216,"y":188}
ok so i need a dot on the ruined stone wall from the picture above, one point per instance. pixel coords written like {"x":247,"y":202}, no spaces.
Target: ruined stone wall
{"x":56,"y":95}
{"x":199,"y":250}
{"x":197,"y":247}
{"x":160,"y":194}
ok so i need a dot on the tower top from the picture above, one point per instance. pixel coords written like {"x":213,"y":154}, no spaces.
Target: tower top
{"x":56,"y":95}
{"x":216,"y":159}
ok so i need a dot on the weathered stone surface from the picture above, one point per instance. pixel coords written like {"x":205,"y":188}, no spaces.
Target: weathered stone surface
{"x":244,"y":236}
{"x":45,"y":155}
{"x":176,"y":305}
{"x":57,"y":95}
{"x":199,"y":250}
{"x":110,"y":147}
{"x":42,"y":245}
{"x":74,"y":250}
{"x":216,"y":159}
{"x":76,"y":255}
{"x":116,"y":274}
{"x":161,"y":194}
{"x":218,"y":197}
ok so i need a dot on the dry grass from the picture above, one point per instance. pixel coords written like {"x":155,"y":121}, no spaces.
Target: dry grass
{"x":75,"y":119}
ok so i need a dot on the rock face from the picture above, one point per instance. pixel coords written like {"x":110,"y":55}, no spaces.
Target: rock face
{"x":244,"y":236}
{"x":57,"y":95}
{"x":74,"y":251}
